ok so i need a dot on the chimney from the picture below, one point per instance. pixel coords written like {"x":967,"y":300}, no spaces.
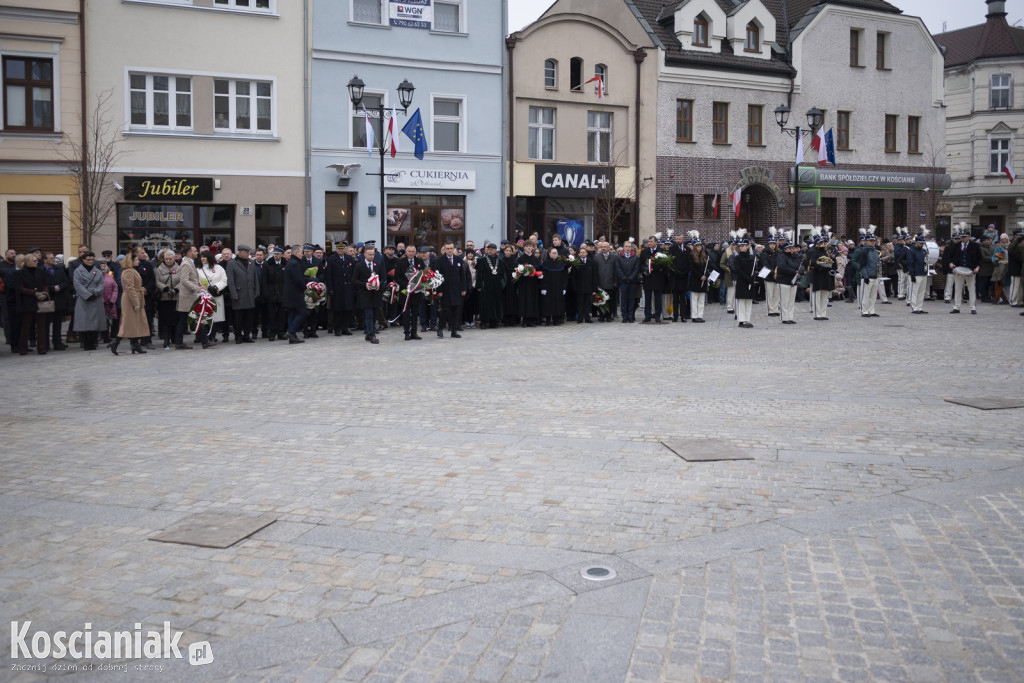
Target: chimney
{"x":996,"y":8}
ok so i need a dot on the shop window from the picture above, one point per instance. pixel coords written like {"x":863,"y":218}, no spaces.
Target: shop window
{"x":338,"y":217}
{"x":270,"y":224}
{"x":35,"y":224}
{"x":28,"y":94}
{"x":426,"y":220}
{"x":570,"y":217}
{"x":161,"y":226}
{"x":160,"y":101}
{"x":243,"y":106}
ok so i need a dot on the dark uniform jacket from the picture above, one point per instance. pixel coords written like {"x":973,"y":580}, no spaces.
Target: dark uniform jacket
{"x":338,"y":275}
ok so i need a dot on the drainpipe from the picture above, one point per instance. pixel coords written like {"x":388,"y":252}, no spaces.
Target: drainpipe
{"x":83,"y":209}
{"x":305,"y":118}
{"x":510,"y":202}
{"x":639,"y":56}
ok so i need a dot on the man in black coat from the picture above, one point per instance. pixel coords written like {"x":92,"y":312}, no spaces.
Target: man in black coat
{"x":627,"y":273}
{"x":452,"y":290}
{"x":655,"y":281}
{"x":584,"y":280}
{"x":338,"y":273}
{"x":369,"y":279}
{"x":406,"y":268}
{"x":293,"y":293}
{"x":272,"y":287}
{"x":679,"y":279}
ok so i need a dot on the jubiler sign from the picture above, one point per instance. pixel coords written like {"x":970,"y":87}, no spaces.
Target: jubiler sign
{"x":574,"y":181}
{"x":870,"y":180}
{"x":152,"y":189}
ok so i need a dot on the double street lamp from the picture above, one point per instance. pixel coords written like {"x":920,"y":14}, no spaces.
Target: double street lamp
{"x":814,"y":118}
{"x":355,"y":93}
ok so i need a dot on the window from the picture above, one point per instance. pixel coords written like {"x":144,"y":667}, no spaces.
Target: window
{"x":448,"y":124}
{"x":542,"y":133}
{"x":601,"y":71}
{"x":876,"y":209}
{"x":338,"y":218}
{"x":576,"y":74}
{"x":684,"y":207}
{"x":1000,"y":90}
{"x":242,"y":106}
{"x":913,"y":134}
{"x":854,"y":47}
{"x":709,"y":206}
{"x":684,"y":120}
{"x":999,"y":155}
{"x":720,"y":123}
{"x":28,"y":93}
{"x":427,"y":220}
{"x":151,"y":97}
{"x":371,"y":101}
{"x":753,"y":42}
{"x":852,"y":216}
{"x":599,"y":136}
{"x":899,"y":212}
{"x":270,"y":224}
{"x":700,"y":30}
{"x":843,"y":127}
{"x":754,"y":113}
{"x":550,"y":73}
{"x":243,"y":4}
{"x":367,"y":11}
{"x":829,"y":211}
{"x":890,"y":132}
{"x":447,"y":16}
{"x":880,"y":51}
{"x":157,"y":226}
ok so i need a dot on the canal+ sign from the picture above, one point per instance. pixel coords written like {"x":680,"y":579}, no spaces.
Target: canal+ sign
{"x":574,"y":181}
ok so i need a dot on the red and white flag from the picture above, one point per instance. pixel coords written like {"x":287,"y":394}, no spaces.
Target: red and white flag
{"x":735,"y":197}
{"x":1008,"y":170}
{"x":714,"y":205}
{"x":600,"y":86}
{"x":393,"y":132}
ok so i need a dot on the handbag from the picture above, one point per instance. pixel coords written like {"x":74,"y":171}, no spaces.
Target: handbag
{"x":46,"y":306}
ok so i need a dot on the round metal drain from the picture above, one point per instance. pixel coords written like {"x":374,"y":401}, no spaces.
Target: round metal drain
{"x":597,"y":573}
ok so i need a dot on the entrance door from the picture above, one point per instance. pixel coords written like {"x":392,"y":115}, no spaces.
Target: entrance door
{"x":35,"y":224}
{"x":743,"y":219}
{"x":987,"y":220}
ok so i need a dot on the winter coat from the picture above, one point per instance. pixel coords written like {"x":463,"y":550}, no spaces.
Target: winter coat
{"x":454,"y":279}
{"x":188,"y":285}
{"x":272,"y":286}
{"x":744,"y":268}
{"x":243,"y":283}
{"x":167,"y":282}
{"x":110,"y":294}
{"x":59,"y":286}
{"x":368,"y":298}
{"x":337,"y":275}
{"x":29,"y":281}
{"x":293,"y":293}
{"x":133,"y":306}
{"x":89,"y":315}
{"x":627,"y":269}
{"x":215,"y":277}
{"x":604,"y":264}
{"x":654,"y":279}
{"x":697,"y":270}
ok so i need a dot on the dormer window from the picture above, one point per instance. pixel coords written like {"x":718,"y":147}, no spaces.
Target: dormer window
{"x":753,"y":41}
{"x":700,"y":31}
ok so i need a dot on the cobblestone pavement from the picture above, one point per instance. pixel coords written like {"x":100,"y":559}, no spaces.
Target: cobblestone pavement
{"x":436,"y":502}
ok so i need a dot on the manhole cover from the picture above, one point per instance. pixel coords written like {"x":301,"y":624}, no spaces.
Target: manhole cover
{"x":597,"y":573}
{"x":213,"y":529}
{"x":705,"y":450}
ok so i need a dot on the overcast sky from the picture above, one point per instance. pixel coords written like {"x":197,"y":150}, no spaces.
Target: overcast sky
{"x":956,"y":13}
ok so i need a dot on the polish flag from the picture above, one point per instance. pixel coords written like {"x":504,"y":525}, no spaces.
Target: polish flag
{"x":735,"y":197}
{"x":714,"y":205}
{"x":600,"y":86}
{"x":1008,"y":170}
{"x":393,"y":132}
{"x":799,"y":147}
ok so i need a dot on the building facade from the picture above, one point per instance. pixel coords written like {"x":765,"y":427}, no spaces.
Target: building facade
{"x":728,"y":65}
{"x":452,"y":52}
{"x":208,"y":103}
{"x":984,"y":70}
{"x":41,"y":126}
{"x":581,"y":125}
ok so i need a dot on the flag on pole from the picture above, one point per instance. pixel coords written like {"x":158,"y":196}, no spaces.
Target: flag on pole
{"x":735,"y":197}
{"x":1008,"y":170}
{"x":799,"y":147}
{"x":714,"y":205}
{"x":393,"y":132}
{"x":822,"y":152}
{"x":600,"y":85}
{"x":414,"y":129}
{"x":830,"y":147}
{"x":369,"y":132}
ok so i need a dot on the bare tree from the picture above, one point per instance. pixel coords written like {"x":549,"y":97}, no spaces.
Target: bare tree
{"x":610,"y":203}
{"x":934,"y":160}
{"x":91,"y":162}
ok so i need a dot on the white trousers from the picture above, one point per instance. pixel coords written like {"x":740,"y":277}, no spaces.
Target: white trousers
{"x":901,"y":284}
{"x":959,"y":281}
{"x":868,"y":296}
{"x":1016,"y":290}
{"x":744,"y":308}
{"x":881,"y":290}
{"x":820,"y":301}
{"x":787,"y":301}
{"x":697,"y":305}
{"x":771,"y":295}
{"x":947,"y":294}
{"x":730,"y":297}
{"x":916,"y":293}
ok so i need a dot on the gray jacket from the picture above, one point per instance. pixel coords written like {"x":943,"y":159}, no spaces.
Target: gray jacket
{"x":243,"y":283}
{"x":89,"y":313}
{"x":605,"y":270}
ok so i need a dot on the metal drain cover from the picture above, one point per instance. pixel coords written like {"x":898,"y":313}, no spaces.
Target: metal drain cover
{"x":597,"y":573}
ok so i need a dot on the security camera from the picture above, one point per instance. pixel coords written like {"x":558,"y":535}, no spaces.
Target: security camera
{"x":118,"y":186}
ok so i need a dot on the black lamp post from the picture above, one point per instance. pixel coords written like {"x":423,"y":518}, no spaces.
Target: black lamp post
{"x":355,"y":93}
{"x":814,"y":117}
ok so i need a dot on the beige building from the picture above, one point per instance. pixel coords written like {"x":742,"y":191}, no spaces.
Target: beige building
{"x":582,"y":124}
{"x":984,"y":72}
{"x":40,"y":49}
{"x":209,"y":107}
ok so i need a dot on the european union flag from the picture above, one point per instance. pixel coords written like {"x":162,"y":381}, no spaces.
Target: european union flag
{"x":830,"y":147}
{"x":413,"y":128}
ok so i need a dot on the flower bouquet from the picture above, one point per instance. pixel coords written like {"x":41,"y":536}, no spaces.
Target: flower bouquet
{"x":600,"y":301}
{"x":392,"y":295}
{"x":662,"y":261}
{"x":525,"y":270}
{"x":200,"y":316}
{"x":315,"y":294}
{"x":574,"y":262}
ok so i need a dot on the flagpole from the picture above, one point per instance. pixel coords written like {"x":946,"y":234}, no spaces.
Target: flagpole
{"x":814,"y":120}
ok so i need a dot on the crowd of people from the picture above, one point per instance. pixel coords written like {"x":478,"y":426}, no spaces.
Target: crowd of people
{"x":265,"y":293}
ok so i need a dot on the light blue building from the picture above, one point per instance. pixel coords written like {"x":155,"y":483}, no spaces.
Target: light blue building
{"x":453,"y":52}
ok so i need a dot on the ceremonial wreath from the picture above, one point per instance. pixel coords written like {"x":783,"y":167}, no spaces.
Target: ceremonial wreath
{"x":200,"y":316}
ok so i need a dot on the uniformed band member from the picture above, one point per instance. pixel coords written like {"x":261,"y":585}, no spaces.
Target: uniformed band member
{"x":744,"y":267}
{"x":821,"y":266}
{"x":915,"y":264}
{"x":964,"y":256}
{"x":787,"y":271}
{"x":699,"y":268}
{"x":866,"y":259}
{"x":769,"y":259}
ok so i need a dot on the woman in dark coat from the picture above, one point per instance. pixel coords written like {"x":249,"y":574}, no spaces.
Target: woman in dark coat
{"x":552,"y":288}
{"x":744,"y":267}
{"x":32,"y":283}
{"x":528,"y":289}
{"x":510,"y":295}
{"x":698,"y":266}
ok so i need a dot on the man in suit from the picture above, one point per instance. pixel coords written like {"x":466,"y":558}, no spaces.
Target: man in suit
{"x":369,"y":279}
{"x":293,"y":295}
{"x":604,"y":265}
{"x":452,"y":290}
{"x":679,"y":278}
{"x":406,"y":268}
{"x":655,"y":281}
{"x":966,"y":254}
{"x":243,"y":287}
{"x":189,"y":287}
{"x":627,"y":273}
{"x":584,"y":281}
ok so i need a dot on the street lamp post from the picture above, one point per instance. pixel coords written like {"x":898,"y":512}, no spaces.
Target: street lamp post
{"x":355,"y":93}
{"x":814,"y":117}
